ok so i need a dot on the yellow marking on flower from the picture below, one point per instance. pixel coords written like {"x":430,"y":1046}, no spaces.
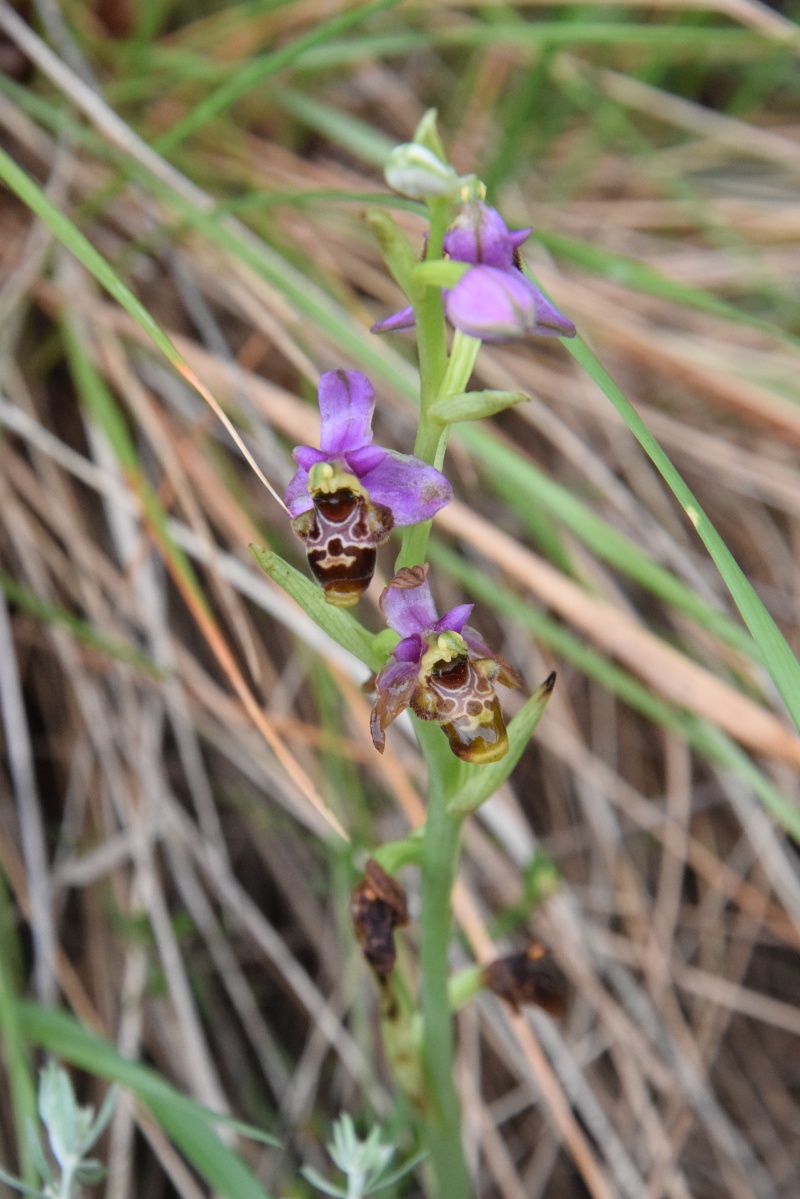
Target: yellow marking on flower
{"x":447,"y":646}
{"x":326,"y":478}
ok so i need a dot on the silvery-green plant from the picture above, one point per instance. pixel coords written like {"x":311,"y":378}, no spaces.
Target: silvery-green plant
{"x":72,"y":1132}
{"x":364,"y":1163}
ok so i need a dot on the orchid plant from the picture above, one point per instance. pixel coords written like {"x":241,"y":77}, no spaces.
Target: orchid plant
{"x":345,"y":500}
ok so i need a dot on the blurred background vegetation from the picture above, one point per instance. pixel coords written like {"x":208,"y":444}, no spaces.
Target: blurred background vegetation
{"x":175,"y":728}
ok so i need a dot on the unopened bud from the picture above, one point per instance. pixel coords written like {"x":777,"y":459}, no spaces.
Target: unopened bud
{"x":415,"y":171}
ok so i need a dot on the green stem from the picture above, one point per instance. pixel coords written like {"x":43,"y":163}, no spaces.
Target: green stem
{"x":431,"y":441}
{"x":439,"y":865}
{"x":429,"y":315}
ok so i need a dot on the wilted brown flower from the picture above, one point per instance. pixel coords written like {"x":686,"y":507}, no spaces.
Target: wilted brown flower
{"x":377,"y":908}
{"x":528,"y":977}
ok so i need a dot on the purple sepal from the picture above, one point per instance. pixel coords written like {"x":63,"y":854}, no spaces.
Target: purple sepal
{"x":404,"y":319}
{"x":496,"y":306}
{"x":412,"y":489}
{"x":409,"y":610}
{"x":346,"y":404}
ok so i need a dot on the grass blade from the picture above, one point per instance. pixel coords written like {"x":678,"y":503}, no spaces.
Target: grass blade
{"x":188,"y":1124}
{"x":778,"y":657}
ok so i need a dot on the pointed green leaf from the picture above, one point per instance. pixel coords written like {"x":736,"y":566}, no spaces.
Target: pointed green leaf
{"x":481,"y":782}
{"x":397,"y":253}
{"x":337,"y":622}
{"x":427,"y":134}
{"x":328,"y":1188}
{"x":474,"y":405}
{"x":11,"y":1181}
{"x":392,"y":855}
{"x":188,"y":1125}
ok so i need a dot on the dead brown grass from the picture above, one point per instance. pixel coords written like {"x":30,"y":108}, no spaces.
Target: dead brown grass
{"x":165,"y":837}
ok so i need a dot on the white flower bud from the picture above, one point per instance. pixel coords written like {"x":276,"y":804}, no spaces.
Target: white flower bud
{"x":415,"y":171}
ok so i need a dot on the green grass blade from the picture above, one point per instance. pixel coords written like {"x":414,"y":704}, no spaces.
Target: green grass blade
{"x":32,"y":195}
{"x":188,"y":1124}
{"x":17,"y":1067}
{"x":481,"y":782}
{"x":353,"y":135}
{"x":520,"y":483}
{"x":260,"y":69}
{"x":629,"y":272}
{"x":778,"y":657}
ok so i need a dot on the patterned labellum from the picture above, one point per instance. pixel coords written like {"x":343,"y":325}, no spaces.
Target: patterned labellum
{"x":460,"y":697}
{"x":341,"y":533}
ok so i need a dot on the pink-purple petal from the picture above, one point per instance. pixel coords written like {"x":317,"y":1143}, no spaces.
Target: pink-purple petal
{"x":306,"y":456}
{"x":410,"y":649}
{"x":480,"y":235}
{"x":412,"y":489}
{"x":475,"y":643}
{"x":454,"y":620}
{"x":404,"y":319}
{"x":297,"y":498}
{"x":346,"y":404}
{"x":362,"y":461}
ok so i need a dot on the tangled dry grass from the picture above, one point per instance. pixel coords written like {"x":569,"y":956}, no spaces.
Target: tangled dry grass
{"x":172,"y":750}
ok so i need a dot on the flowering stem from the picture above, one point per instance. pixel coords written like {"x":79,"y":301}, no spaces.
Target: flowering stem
{"x":439,"y":865}
{"x":429,"y":315}
{"x":431,"y":441}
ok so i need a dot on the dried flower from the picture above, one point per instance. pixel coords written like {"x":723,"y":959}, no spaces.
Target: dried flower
{"x":377,"y":908}
{"x":443,"y":670}
{"x":348,"y":495}
{"x":494,"y":301}
{"x":527,"y":977}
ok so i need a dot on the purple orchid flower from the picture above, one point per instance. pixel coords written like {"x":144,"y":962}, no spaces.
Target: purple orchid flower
{"x":443,"y":670}
{"x":347,"y":496}
{"x":493,"y":301}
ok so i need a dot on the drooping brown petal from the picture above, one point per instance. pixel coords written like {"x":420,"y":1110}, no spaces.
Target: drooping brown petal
{"x":394,"y":688}
{"x":377,"y":908}
{"x":528,"y":977}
